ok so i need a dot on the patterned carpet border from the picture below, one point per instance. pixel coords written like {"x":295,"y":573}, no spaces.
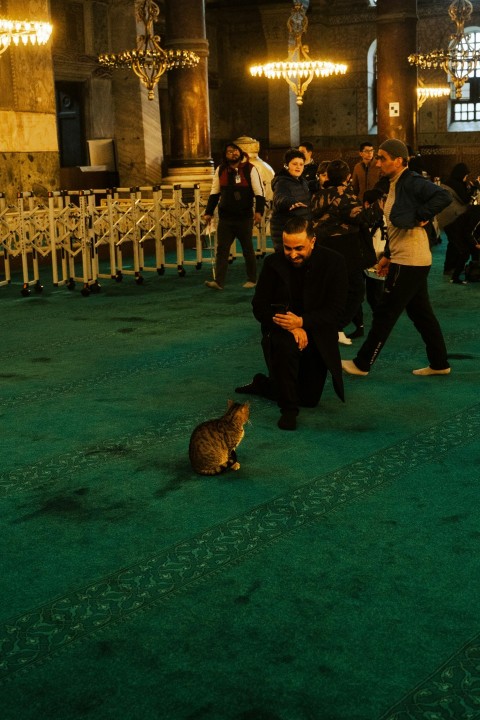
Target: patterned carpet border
{"x":452,"y":692}
{"x":47,"y":471}
{"x":44,"y":631}
{"x":138,"y":368}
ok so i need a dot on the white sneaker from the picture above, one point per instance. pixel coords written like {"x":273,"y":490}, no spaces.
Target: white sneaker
{"x":343,"y":340}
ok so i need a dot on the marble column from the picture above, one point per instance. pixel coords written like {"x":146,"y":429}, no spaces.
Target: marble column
{"x":138,"y":134}
{"x":191,"y":159}
{"x":396,"y":78}
{"x":283,"y":111}
{"x":28,"y":138}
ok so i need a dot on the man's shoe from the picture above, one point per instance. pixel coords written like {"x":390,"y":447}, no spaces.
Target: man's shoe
{"x":457,"y":281}
{"x":249,"y":284}
{"x":342,"y":339}
{"x":213,"y":284}
{"x":288,"y":420}
{"x":358,"y":332}
{"x":431,"y":371}
{"x":256,"y":387}
{"x":349,"y":367}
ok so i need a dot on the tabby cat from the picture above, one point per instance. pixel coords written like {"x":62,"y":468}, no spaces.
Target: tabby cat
{"x":213,"y":442}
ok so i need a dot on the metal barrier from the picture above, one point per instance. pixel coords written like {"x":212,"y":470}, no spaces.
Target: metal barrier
{"x":5,"y":241}
{"x":76,"y":228}
{"x":90,"y":235}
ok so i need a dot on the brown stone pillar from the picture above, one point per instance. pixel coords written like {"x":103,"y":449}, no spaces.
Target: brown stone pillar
{"x":396,"y":78}
{"x":191,"y":159}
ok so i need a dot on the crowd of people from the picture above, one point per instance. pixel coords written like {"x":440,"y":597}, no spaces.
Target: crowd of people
{"x":340,"y":235}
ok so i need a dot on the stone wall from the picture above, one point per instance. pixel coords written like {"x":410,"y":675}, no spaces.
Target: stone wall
{"x":28,"y":139}
{"x":334,"y":115}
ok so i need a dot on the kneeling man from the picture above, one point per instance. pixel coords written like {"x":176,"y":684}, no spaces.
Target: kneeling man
{"x":299,"y":297}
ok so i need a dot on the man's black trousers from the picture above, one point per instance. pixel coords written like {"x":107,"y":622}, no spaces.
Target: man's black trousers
{"x":297,"y":376}
{"x":405,"y":289}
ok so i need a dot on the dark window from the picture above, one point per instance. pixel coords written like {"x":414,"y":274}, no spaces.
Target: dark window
{"x":71,"y":134}
{"x":373,"y":89}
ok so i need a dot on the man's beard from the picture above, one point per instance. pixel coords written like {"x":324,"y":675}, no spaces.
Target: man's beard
{"x":297,"y":265}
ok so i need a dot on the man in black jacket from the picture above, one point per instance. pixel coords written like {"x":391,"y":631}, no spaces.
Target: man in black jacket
{"x":298,"y":300}
{"x":236,"y":187}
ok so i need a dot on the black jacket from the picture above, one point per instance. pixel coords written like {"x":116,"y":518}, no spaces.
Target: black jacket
{"x":324,"y":295}
{"x":287,"y":190}
{"x":310,"y":175}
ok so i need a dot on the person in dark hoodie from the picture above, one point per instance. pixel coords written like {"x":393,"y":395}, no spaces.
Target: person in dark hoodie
{"x":291,"y":196}
{"x":458,"y":221}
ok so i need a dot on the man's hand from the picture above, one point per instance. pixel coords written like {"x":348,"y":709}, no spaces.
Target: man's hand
{"x":257,"y":219}
{"x":290,"y":321}
{"x":382,"y":267}
{"x":300,"y":338}
{"x":207,"y":219}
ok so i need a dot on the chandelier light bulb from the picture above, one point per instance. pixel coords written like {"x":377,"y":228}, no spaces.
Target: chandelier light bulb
{"x":24,"y":31}
{"x":298,"y":70}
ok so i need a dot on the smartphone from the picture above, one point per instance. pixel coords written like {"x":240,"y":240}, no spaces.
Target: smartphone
{"x":279,"y":308}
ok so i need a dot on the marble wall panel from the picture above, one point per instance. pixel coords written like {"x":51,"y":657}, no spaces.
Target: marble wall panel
{"x":32,"y":132}
{"x":100,"y":27}
{"x":37,"y":172}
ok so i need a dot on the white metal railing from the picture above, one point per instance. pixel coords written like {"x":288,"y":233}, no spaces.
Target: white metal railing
{"x":129,"y":229}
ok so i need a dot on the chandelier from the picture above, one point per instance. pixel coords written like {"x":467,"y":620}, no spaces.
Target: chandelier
{"x":433,"y":91}
{"x":461,"y":57}
{"x":149,"y":61}
{"x":22,"y":32}
{"x":298,"y":69}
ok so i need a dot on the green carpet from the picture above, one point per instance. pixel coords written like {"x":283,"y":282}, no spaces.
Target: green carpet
{"x":335,"y":576}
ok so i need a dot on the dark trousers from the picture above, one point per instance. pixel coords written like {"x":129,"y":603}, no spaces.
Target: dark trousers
{"x":373,"y":294}
{"x":405,"y":289}
{"x":297,"y":377}
{"x":355,"y":295}
{"x":460,"y":246}
{"x":227,"y":231}
{"x":461,"y":243}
